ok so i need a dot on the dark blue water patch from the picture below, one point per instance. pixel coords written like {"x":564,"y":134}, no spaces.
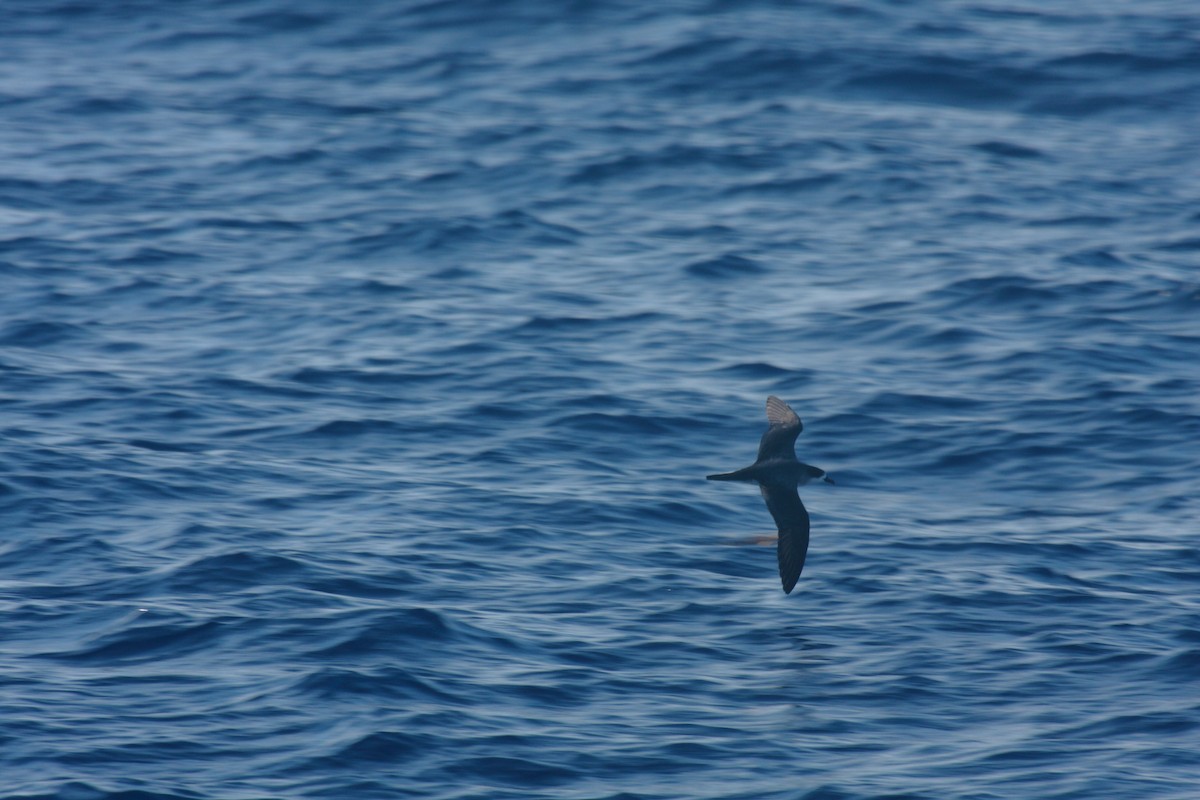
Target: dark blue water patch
{"x":284,"y":21}
{"x":917,"y":404}
{"x":151,"y":642}
{"x":1088,"y":221}
{"x":943,"y":81}
{"x":168,"y":447}
{"x":1147,"y":724}
{"x":418,"y":237}
{"x":945,"y":338}
{"x":508,"y":771}
{"x":37,"y":333}
{"x":380,"y":633}
{"x":726,"y":267}
{"x":672,"y":157}
{"x":1096,"y":257}
{"x":435,"y":235}
{"x":1008,"y":149}
{"x":752,"y":68}
{"x":762,"y":371}
{"x":335,"y":684}
{"x":1185,"y":245}
{"x":81,"y":790}
{"x":264,"y":224}
{"x":616,"y":423}
{"x":787,"y":186}
{"x":706,"y":233}
{"x":1181,"y":665}
{"x":539,"y":325}
{"x":1012,"y":291}
{"x":1113,"y":63}
{"x":390,"y":748}
{"x":225,"y":386}
{"x":103,"y":106}
{"x":233,"y":571}
{"x":76,"y":192}
{"x":697,"y":52}
{"x":273,"y":163}
{"x":383,"y":378}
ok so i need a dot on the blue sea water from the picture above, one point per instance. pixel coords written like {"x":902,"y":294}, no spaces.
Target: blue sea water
{"x":361,"y":364}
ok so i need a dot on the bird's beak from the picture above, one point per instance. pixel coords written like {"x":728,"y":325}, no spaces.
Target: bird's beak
{"x":828,"y":479}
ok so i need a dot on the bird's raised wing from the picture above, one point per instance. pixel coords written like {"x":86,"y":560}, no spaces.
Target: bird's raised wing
{"x":780,"y":439}
{"x":791,"y":518}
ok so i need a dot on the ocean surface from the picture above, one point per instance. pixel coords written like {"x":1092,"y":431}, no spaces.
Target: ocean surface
{"x":361,"y":365}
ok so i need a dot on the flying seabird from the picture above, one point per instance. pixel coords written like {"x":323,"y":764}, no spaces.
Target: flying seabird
{"x":778,"y":473}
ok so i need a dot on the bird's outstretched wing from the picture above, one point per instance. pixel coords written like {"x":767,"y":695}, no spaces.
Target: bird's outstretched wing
{"x":780,"y":439}
{"x":791,"y":518}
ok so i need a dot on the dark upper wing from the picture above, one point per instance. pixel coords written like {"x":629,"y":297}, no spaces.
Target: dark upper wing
{"x":780,"y":438}
{"x":792,"y":520}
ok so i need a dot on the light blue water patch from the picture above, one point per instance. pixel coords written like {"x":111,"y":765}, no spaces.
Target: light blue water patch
{"x":360,"y":369}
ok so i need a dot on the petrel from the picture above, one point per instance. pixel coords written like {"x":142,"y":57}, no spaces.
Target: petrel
{"x":778,"y":473}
